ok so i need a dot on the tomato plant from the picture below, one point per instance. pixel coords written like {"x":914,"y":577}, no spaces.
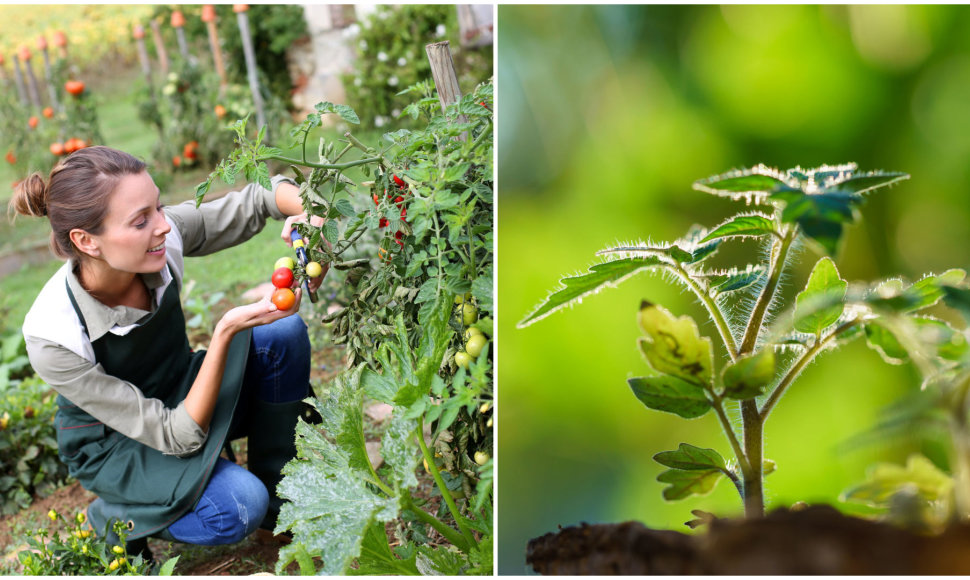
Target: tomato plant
{"x":407,"y":237}
{"x":766,"y":343}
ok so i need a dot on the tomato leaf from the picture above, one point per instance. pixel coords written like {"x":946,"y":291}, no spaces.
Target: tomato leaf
{"x":861,"y":183}
{"x":673,"y":346}
{"x":690,"y":458}
{"x":575,"y":288}
{"x":686,"y":483}
{"x":821,"y":216}
{"x":747,"y":376}
{"x":734,"y":280}
{"x":885,"y":480}
{"x":821,"y":303}
{"x":345,"y":208}
{"x":745,"y":225}
{"x":345,"y":112}
{"x":753,"y":184}
{"x":882,"y":340}
{"x":670,"y":394}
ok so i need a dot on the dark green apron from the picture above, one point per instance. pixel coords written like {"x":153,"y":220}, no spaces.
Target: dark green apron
{"x":138,"y":485}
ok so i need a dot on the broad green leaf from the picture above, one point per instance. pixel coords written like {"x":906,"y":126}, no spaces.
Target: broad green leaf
{"x":690,"y":458}
{"x":887,"y":479}
{"x":377,"y":559}
{"x":824,"y":287}
{"x":742,"y":226}
{"x":754,"y":183}
{"x":673,"y":346}
{"x":331,"y":231}
{"x":345,"y":208}
{"x":575,"y":288}
{"x":400,"y":450}
{"x":345,"y":112}
{"x":169,"y":566}
{"x":686,"y":483}
{"x":882,"y":340}
{"x":670,"y":394}
{"x":330,"y":504}
{"x":747,"y":376}
{"x":435,"y":334}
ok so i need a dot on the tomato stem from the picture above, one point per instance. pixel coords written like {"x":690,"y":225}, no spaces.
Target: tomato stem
{"x":445,"y":493}
{"x":346,"y":165}
{"x":449,"y":534}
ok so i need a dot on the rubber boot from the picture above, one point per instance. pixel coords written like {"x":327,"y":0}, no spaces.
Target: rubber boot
{"x":272,"y":443}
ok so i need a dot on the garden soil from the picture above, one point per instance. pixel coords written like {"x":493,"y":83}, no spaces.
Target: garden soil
{"x":815,"y":540}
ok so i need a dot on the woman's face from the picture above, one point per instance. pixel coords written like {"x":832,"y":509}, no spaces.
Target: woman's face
{"x":133,"y":239}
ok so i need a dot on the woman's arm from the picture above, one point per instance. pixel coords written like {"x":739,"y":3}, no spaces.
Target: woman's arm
{"x":200,"y":402}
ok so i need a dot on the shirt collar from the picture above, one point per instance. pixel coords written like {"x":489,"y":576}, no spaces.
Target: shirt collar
{"x":100,"y":318}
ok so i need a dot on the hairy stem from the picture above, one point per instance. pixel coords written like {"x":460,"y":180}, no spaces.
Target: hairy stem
{"x":445,"y":493}
{"x":715,"y":313}
{"x":753,"y":485}
{"x":722,"y":417}
{"x":779,"y":254}
{"x":800,"y":365}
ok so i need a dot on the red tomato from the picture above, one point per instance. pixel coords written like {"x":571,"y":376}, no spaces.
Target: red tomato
{"x":384,"y":222}
{"x":400,"y":182}
{"x":49,"y":112}
{"x":220,"y":111}
{"x":283,"y":298}
{"x":74,"y":87}
{"x":11,"y":158}
{"x":32,"y":122}
{"x":176,"y":161}
{"x":57,"y":149}
{"x":283,"y":278}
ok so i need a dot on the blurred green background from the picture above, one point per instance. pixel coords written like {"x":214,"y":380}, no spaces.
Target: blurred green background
{"x":607,"y":115}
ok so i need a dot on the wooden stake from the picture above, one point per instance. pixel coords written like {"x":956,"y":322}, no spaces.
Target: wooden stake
{"x":160,"y":47}
{"x":251,"y":71}
{"x":178,"y":23}
{"x":445,"y":78}
{"x":48,"y":74}
{"x":19,"y":79}
{"x":31,"y":79}
{"x":209,"y":17}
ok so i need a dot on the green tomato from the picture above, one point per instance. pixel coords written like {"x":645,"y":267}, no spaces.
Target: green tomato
{"x":470,"y":332}
{"x":463,"y":359}
{"x":475,"y":345}
{"x":462,"y":298}
{"x":481,"y":457}
{"x":285,"y":262}
{"x":469,"y":314}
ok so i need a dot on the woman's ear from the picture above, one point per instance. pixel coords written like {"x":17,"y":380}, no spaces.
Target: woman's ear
{"x":85,"y":242}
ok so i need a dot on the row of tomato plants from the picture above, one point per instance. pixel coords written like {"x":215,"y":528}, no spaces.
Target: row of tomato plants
{"x":406,"y":227}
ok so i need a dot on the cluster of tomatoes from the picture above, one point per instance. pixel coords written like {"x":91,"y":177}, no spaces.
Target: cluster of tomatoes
{"x":190,"y":152}
{"x":69,"y":146}
{"x":397,"y":197}
{"x":283,"y":277}
{"x":475,"y":341}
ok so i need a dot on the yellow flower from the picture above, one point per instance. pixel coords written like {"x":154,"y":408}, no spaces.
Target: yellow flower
{"x":52,"y":515}
{"x":117,"y":549}
{"x":81,"y":518}
{"x":115,"y":563}
{"x":84,"y":549}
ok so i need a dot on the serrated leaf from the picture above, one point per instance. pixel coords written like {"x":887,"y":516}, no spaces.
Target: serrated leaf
{"x":457,"y":171}
{"x":331,"y":231}
{"x":929,"y":290}
{"x":821,"y":216}
{"x":747,"y":376}
{"x":345,"y":208}
{"x":866,"y":182}
{"x":883,"y":341}
{"x":345,"y":112}
{"x":671,"y":251}
{"x":733,"y":281}
{"x":754,"y":183}
{"x":742,"y":226}
{"x":820,"y":304}
{"x":673,"y":345}
{"x":686,"y":483}
{"x":689,"y":457}
{"x":575,"y":288}
{"x":670,"y":394}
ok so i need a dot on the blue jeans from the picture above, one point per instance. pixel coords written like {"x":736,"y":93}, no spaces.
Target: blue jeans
{"x":235,"y":501}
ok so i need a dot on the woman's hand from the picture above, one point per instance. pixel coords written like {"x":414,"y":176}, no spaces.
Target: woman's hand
{"x":317,"y":221}
{"x":256,"y":314}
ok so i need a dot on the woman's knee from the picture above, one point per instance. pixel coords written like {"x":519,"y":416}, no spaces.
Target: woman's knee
{"x":286,"y":336}
{"x":232,"y":507}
